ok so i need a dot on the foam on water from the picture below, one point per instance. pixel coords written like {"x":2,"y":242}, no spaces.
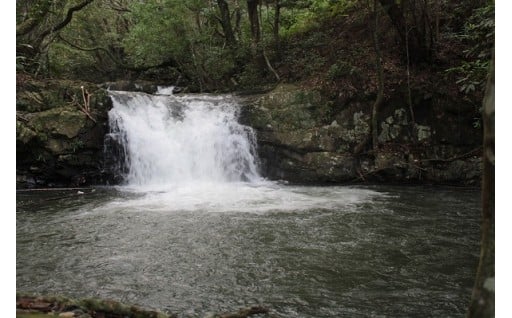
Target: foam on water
{"x":240,"y":197}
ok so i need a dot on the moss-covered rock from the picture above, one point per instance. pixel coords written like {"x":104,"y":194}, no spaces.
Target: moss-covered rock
{"x":63,"y":121}
{"x":304,"y":138}
{"x":59,"y":306}
{"x":299,"y":138}
{"x":24,"y":134}
{"x":285,"y":108}
{"x":59,"y":142}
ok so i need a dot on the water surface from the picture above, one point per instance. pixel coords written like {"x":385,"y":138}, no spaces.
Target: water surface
{"x":376,"y":251}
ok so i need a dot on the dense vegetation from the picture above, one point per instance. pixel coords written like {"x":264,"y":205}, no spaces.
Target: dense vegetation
{"x":346,"y":49}
{"x":232,"y":44}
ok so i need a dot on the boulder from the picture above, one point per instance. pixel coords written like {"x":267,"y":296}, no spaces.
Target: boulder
{"x":59,"y":142}
{"x":306,"y":139}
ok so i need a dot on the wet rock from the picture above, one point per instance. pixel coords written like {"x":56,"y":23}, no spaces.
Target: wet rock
{"x":24,"y":134}
{"x":58,"y":140}
{"x":83,"y":308}
{"x":422,"y":132}
{"x":303,"y":138}
{"x":62,"y":121}
{"x":297,"y":139}
{"x":131,"y":86}
{"x":392,"y":127}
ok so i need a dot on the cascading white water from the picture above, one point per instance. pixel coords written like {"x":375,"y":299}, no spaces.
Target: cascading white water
{"x":189,"y":153}
{"x":174,"y":140}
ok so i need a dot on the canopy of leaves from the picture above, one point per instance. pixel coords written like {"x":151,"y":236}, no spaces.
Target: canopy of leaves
{"x":119,"y":39}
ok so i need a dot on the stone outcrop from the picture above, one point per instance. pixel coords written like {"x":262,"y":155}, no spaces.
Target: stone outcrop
{"x":59,"y":142}
{"x":303,"y":138}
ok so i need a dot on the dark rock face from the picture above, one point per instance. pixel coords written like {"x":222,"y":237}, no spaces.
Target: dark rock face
{"x":303,"y":138}
{"x":57,"y":143}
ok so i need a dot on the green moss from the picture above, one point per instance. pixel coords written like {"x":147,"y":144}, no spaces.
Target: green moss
{"x":64,"y":121}
{"x":90,"y":305}
{"x":289,"y":107}
{"x":23,"y":133}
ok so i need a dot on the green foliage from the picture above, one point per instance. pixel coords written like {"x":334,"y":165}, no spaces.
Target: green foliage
{"x":340,"y":69}
{"x":77,"y":144}
{"x":66,"y":61}
{"x":479,"y":34}
{"x":472,"y":72}
{"x":473,"y":75}
{"x":37,"y":25}
{"x":161,"y":29}
{"x":303,"y":16}
{"x":250,"y":75}
{"x":184,"y":32}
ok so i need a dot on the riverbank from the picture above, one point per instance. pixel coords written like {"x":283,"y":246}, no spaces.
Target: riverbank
{"x":31,"y":306}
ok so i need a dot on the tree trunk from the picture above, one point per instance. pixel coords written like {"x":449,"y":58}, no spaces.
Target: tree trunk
{"x":277,"y":16}
{"x":380,"y":81}
{"x":252,"y":10}
{"x":482,"y":300}
{"x":225,"y":20}
{"x":418,"y":49}
{"x":34,"y":42}
{"x":238,"y":20}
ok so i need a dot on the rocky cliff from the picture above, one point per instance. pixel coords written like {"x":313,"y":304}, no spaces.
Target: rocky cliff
{"x":304,"y":138}
{"x":60,"y":126}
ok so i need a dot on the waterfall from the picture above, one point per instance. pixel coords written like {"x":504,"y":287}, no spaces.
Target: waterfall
{"x":169,"y":139}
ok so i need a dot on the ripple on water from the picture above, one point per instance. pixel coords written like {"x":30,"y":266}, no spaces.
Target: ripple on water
{"x":304,"y":251}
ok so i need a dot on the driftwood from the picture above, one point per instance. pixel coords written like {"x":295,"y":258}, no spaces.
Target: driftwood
{"x":86,"y":109}
{"x":82,"y":108}
{"x":87,"y":98}
{"x":21,"y":118}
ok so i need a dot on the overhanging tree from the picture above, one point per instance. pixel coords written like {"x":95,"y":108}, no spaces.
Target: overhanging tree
{"x":37,"y":25}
